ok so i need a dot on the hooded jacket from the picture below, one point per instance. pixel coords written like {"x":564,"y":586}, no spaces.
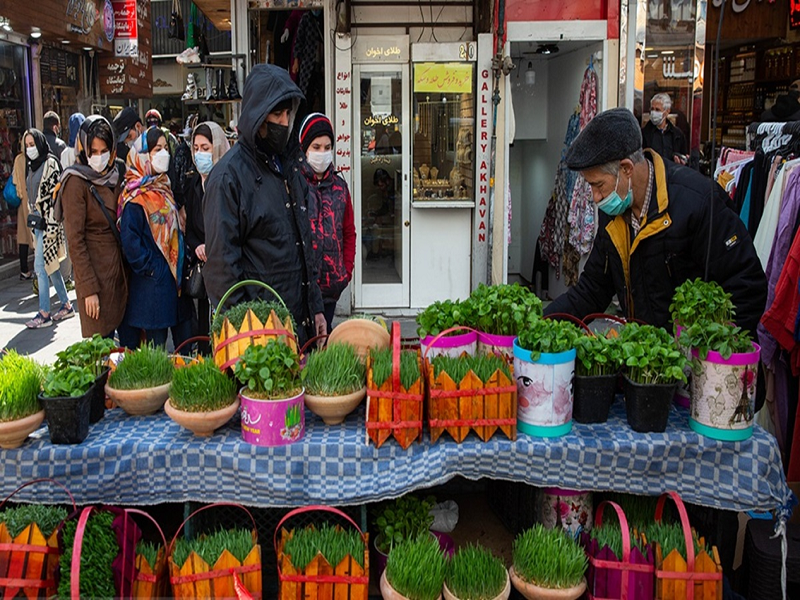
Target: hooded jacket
{"x":255,"y":213}
{"x":669,"y":249}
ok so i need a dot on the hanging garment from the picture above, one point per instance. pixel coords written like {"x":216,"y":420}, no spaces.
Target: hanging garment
{"x":765,"y":236}
{"x":306,"y":50}
{"x":761,"y":167}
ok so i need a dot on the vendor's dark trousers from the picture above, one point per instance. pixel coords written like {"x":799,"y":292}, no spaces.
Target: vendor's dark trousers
{"x":329,"y":307}
{"x":23,"y":258}
{"x":201,"y":324}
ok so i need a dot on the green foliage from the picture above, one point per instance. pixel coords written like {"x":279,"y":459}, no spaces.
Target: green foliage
{"x":201,"y":387}
{"x":651,"y":355}
{"x":150,"y":552}
{"x":382,"y":366}
{"x":719,"y":337}
{"x":100,"y":548}
{"x":474,"y":573}
{"x":334,"y":371}
{"x":598,"y":355}
{"x":404,"y":518}
{"x":333,"y":543}
{"x":670,"y":536}
{"x":261,"y":309}
{"x":20,"y":383}
{"x":639,"y":510}
{"x":443,"y":315}
{"x":238,"y":542}
{"x":146,"y":367}
{"x":483,"y":365}
{"x":699,"y":300}
{"x":86,"y":353}
{"x":271,"y":371}
{"x":46,"y":517}
{"x":71,"y":381}
{"x":503,"y":309}
{"x":416,"y":568}
{"x":611,"y":535}
{"x":548,"y":558}
{"x":548,"y":336}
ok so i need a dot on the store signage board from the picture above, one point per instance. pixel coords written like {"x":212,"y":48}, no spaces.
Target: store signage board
{"x":480,"y":219}
{"x":794,"y":14}
{"x":131,"y":75}
{"x":343,"y":125}
{"x":126,"y":36}
{"x":449,"y":78}
{"x":380,"y":49}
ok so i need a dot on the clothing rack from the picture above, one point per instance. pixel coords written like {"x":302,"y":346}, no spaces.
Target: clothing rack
{"x":773,"y":137}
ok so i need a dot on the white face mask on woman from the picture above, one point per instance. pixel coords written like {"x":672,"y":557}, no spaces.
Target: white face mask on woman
{"x":99,"y":162}
{"x":160,"y":161}
{"x":32,"y":152}
{"x":320,"y":161}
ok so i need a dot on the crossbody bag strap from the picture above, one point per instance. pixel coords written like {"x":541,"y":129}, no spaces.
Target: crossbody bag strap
{"x":110,"y":220}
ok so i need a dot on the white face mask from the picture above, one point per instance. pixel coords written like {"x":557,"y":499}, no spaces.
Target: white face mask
{"x":32,"y":152}
{"x":98,"y":162}
{"x":160,"y":161}
{"x":657,"y":117}
{"x":320,"y":161}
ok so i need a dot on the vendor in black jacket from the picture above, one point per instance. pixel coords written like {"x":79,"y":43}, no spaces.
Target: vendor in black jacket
{"x":653,"y":230}
{"x":255,"y":208}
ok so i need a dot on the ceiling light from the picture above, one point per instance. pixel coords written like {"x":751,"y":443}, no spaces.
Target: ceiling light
{"x":65,"y":41}
{"x":667,"y":52}
{"x":5,"y":24}
{"x":547,"y":49}
{"x":530,"y":75}
{"x":36,"y":33}
{"x":88,"y":48}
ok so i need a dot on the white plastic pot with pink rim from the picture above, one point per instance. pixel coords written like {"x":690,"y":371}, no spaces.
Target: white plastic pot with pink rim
{"x":272,"y":422}
{"x":501,"y":345}
{"x":450,"y":345}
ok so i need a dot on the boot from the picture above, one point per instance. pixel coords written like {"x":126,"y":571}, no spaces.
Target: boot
{"x":209,"y":84}
{"x":191,"y":88}
{"x":221,"y":94}
{"x":233,"y":89}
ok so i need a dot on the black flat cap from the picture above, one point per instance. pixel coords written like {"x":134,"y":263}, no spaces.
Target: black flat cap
{"x":124,"y":121}
{"x":614,"y":134}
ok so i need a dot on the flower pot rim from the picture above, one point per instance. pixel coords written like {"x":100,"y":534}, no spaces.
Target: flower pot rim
{"x":159,"y":388}
{"x":236,"y":400}
{"x":654,"y":385}
{"x":319,"y":398}
{"x":243,"y":389}
{"x":30,"y":417}
{"x":573,"y":592}
{"x":736,"y":359}
{"x":450,"y":341}
{"x":504,"y":593}
{"x":545,"y":358}
{"x":496,"y":339}
{"x":43,"y":398}
{"x":14,"y":433}
{"x":606,"y":376}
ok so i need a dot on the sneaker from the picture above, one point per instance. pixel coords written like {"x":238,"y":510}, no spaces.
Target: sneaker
{"x":65,"y":312}
{"x":39,"y":321}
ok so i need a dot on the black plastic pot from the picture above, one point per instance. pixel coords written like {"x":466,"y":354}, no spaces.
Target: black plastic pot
{"x":98,"y":392}
{"x":647,"y":405}
{"x":67,"y":418}
{"x":593,"y":397}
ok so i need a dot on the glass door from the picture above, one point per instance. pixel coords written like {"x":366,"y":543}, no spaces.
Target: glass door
{"x":380,"y":185}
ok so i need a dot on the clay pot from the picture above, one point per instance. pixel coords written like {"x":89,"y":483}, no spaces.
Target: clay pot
{"x":362,"y":334}
{"x":140,"y":402}
{"x":448,"y":595}
{"x":389,"y":593}
{"x":14,"y":433}
{"x":333,"y":409}
{"x":534,"y":592}
{"x":202,"y":424}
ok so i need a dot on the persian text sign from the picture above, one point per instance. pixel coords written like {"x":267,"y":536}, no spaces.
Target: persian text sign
{"x":126,"y":28}
{"x":451,"y":78}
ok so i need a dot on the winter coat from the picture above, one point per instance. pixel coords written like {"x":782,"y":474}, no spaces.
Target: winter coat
{"x":193,"y":203}
{"x":330,"y":213}
{"x":255,"y":213}
{"x":667,"y":143}
{"x":24,"y":233}
{"x":56,"y":144}
{"x":670,"y":248}
{"x":96,"y":255}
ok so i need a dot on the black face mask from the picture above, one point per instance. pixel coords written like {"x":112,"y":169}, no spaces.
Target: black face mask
{"x":794,"y":94}
{"x":275,"y":141}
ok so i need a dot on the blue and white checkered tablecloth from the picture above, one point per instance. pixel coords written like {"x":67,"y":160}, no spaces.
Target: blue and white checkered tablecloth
{"x":150,"y":460}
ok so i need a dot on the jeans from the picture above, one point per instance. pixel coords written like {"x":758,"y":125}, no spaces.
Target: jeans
{"x":44,"y":284}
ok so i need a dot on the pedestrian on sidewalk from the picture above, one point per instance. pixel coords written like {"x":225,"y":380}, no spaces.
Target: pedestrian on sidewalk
{"x":68,"y":156}
{"x":52,"y":129}
{"x":25,"y":238}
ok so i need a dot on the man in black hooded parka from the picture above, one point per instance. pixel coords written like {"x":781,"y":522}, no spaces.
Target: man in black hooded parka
{"x":255,"y":208}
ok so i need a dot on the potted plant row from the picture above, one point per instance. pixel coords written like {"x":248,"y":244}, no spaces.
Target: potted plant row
{"x":415,"y":570}
{"x":91,"y":353}
{"x":441,"y":316}
{"x":21,"y":412}
{"x":335,"y":382}
{"x":598,"y":363}
{"x":140,"y":383}
{"x":201,"y":398}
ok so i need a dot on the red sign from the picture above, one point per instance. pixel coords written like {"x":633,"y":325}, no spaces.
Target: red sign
{"x":125,"y":22}
{"x":794,"y":14}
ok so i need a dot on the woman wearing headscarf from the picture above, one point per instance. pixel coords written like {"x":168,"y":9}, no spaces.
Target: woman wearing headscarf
{"x":88,"y":195}
{"x":152,"y":241}
{"x":42,"y":172}
{"x":25,"y":238}
{"x":69,"y":156}
{"x":209,"y":144}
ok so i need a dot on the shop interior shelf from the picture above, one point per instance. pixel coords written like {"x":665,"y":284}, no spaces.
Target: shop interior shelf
{"x":198,"y":102}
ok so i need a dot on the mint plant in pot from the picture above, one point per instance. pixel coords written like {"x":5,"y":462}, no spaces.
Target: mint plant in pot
{"x":654,"y":365}
{"x":499,"y":313}
{"x":335,"y":381}
{"x":201,"y":398}
{"x":90,"y":353}
{"x":140,"y":383}
{"x":21,"y":412}
{"x":474,"y":573}
{"x":548,"y":565}
{"x":273,"y":410}
{"x":67,"y":401}
{"x":415,"y":570}
{"x":597,"y":365}
{"x":439,"y":317}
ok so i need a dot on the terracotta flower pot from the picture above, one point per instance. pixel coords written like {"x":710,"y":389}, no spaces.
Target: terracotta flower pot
{"x":362,"y":334}
{"x":140,"y":402}
{"x":14,"y":433}
{"x":203,"y":424}
{"x":389,"y":593}
{"x":534,"y":592}
{"x":448,"y":595}
{"x":334,"y":409}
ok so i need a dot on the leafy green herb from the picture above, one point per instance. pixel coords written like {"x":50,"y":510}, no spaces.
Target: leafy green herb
{"x":475,"y":573}
{"x":416,"y":568}
{"x":68,"y":382}
{"x":700,"y":300}
{"x":238,"y":542}
{"x":404,"y":518}
{"x":261,"y":309}
{"x":46,"y":517}
{"x":503,"y":309}
{"x":548,"y":336}
{"x":719,"y":337}
{"x":201,"y":387}
{"x":150,"y":552}
{"x":443,"y":315}
{"x":548,"y":558}
{"x":639,"y":510}
{"x":100,"y":549}
{"x":332,"y":542}
{"x":20,"y":383}
{"x":483,"y":365}
{"x":86,"y":353}
{"x":271,"y":371}
{"x":382,"y":366}
{"x":146,"y":367}
{"x":598,"y":355}
{"x":334,"y":371}
{"x":651,"y":355}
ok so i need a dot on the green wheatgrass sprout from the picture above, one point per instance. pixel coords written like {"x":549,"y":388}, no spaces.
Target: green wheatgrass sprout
{"x":611,"y":535}
{"x":46,"y":517}
{"x":336,"y":370}
{"x":238,"y":542}
{"x":201,"y":387}
{"x":382,"y":366}
{"x":474,"y":573}
{"x":334,"y":545}
{"x":100,"y":549}
{"x":416,"y":568}
{"x":670,"y":537}
{"x":639,"y":510}
{"x":150,"y":552}
{"x":261,"y":309}
{"x":548,"y":558}
{"x":483,"y":365}
{"x":147,"y":366}
{"x":20,"y":384}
